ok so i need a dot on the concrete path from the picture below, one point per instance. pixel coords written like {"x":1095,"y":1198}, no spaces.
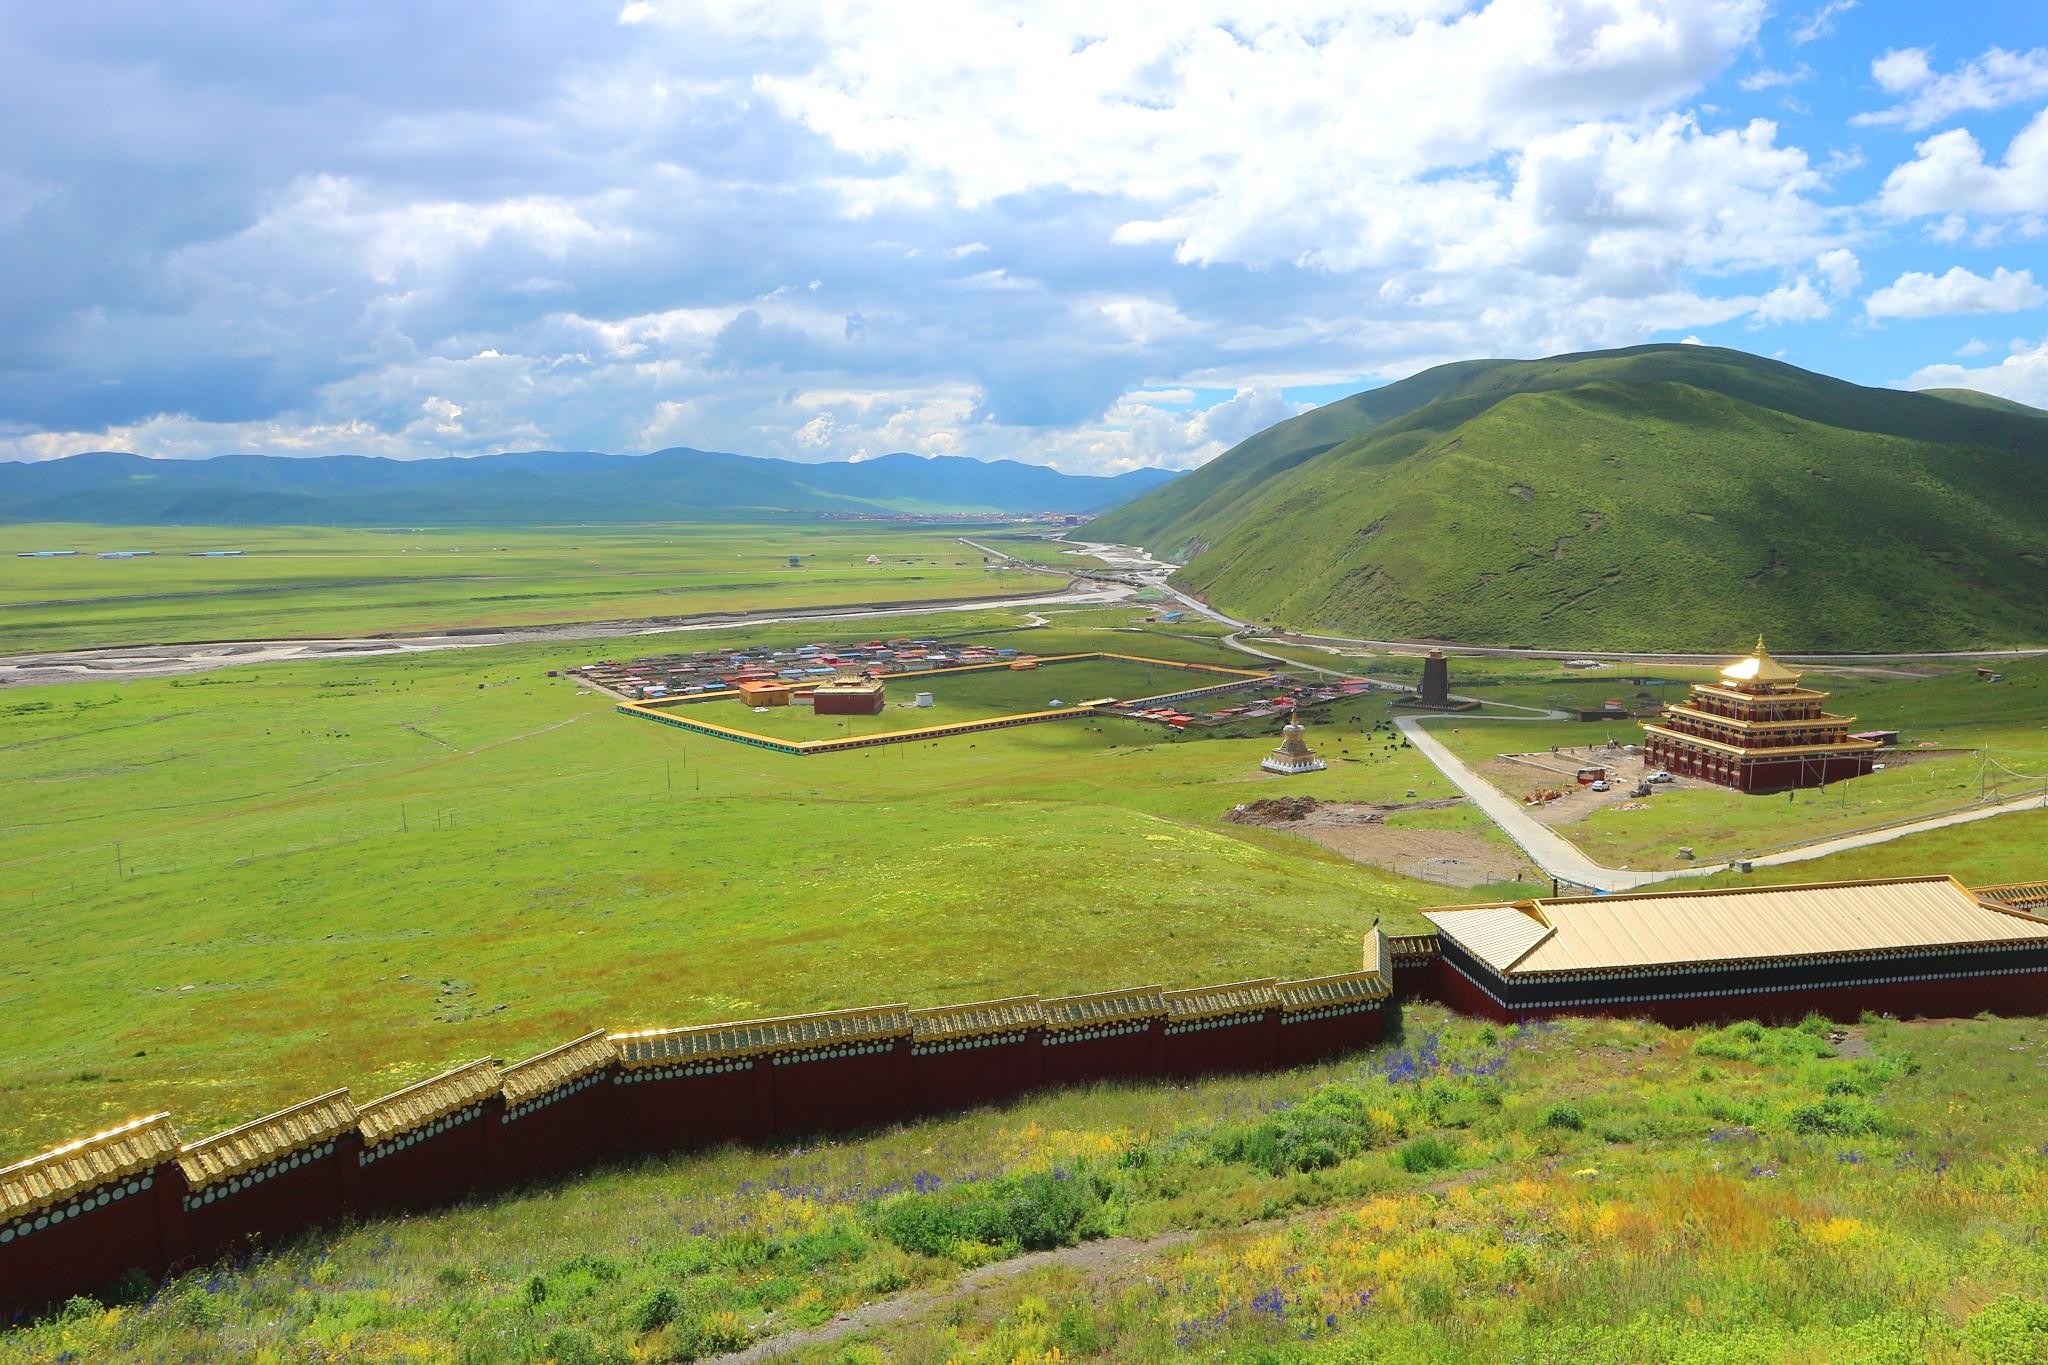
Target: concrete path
{"x":1560,"y":858}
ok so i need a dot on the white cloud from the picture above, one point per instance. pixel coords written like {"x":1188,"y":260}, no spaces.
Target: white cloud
{"x":1901,"y":69}
{"x":1771,"y":78}
{"x":1993,"y":81}
{"x":2021,"y":376}
{"x":1949,"y":176}
{"x":1974,"y":346}
{"x":1798,"y":301}
{"x":1919,"y":295}
{"x":1821,"y":22}
{"x":1840,"y":268}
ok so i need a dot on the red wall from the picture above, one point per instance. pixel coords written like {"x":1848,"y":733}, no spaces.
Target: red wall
{"x":623,"y":1111}
{"x":975,"y":1071}
{"x":837,"y":1093}
{"x":1119,"y":1056}
{"x":556,"y":1133}
{"x":653,"y":1112}
{"x":1212,"y":1046}
{"x":444,"y":1160}
{"x":308,"y":1188}
{"x":83,"y":1245}
{"x":1304,"y":1040}
{"x":1954,"y":998}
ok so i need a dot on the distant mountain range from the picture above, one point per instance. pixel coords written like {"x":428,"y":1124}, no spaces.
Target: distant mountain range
{"x":1670,"y":497}
{"x":535,"y":487}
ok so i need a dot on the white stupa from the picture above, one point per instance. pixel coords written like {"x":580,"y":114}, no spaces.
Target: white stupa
{"x":1293,"y":755}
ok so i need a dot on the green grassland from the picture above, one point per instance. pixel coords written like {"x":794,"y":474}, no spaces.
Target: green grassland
{"x":237,"y":889}
{"x":310,"y":581}
{"x":1661,"y":497}
{"x":1037,"y":549}
{"x":958,"y":698}
{"x":1600,"y":1193}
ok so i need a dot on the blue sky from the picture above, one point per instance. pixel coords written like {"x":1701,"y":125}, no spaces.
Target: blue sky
{"x":1099,"y":237}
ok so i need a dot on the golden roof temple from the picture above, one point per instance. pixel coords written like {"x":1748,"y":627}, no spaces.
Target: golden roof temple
{"x":1757,"y":730}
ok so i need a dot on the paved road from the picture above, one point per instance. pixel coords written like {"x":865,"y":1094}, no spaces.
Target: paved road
{"x":1133,"y":558}
{"x":1560,"y":858}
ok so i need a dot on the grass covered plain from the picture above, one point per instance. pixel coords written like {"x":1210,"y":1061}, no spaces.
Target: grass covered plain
{"x":238,"y":889}
{"x":313,"y":581}
{"x":1593,"y":1192}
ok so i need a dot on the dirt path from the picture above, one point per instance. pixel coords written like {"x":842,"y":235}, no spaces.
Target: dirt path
{"x":1106,"y":1257}
{"x":1111,"y":1254}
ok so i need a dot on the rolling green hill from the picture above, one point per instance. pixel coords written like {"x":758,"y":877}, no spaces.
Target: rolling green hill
{"x":1680,"y":497}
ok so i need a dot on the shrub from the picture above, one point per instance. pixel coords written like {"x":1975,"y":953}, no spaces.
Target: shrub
{"x":1332,"y":1125}
{"x":1564,"y":1116}
{"x":655,"y":1311}
{"x":1837,"y":1116}
{"x":2009,"y":1330}
{"x":828,"y":1246}
{"x":1033,"y":1212}
{"x":1424,"y":1154}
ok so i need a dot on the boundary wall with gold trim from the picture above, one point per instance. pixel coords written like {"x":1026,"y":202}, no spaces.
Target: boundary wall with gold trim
{"x":139,"y":1197}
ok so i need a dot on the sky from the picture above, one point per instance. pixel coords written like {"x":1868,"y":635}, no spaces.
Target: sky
{"x":1096,"y":236}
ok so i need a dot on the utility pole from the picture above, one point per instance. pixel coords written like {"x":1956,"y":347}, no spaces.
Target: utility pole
{"x":668,"y":773}
{"x":117,"y":859}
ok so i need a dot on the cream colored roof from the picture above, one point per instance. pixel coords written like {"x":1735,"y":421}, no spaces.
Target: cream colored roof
{"x":35,"y":1184}
{"x":1674,"y":928}
{"x":420,"y":1103}
{"x":1104,"y":1007}
{"x":1319,"y":991}
{"x":1759,"y":667}
{"x":556,"y":1067}
{"x":946,"y":1022}
{"x":2019,"y":895}
{"x":1208,"y":1002}
{"x":213,"y":1159}
{"x":715,"y":1042}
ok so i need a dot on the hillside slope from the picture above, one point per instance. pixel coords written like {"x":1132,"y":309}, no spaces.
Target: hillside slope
{"x":1678,"y":497}
{"x":533,"y":487}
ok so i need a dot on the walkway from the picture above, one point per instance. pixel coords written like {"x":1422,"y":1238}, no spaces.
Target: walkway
{"x":1560,"y":858}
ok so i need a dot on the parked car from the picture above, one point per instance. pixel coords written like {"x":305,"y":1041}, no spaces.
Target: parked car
{"x":1599,"y":786}
{"x":1659,"y":776}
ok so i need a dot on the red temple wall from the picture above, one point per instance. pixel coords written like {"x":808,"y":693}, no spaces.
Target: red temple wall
{"x":1117,"y":1057}
{"x":654,"y":1113}
{"x":1311,"y":1040}
{"x":229,"y":1214}
{"x":431,"y":1165}
{"x":975,"y":1073}
{"x":84,"y":1245}
{"x":1223,"y":1046}
{"x":558,"y":1133}
{"x":839,"y":1093}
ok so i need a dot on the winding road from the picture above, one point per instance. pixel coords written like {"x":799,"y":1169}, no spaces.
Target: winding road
{"x":1557,"y":856}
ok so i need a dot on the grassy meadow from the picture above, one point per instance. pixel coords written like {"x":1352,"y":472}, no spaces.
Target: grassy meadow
{"x":314,"y":581}
{"x":237,"y":889}
{"x":1591,"y":1191}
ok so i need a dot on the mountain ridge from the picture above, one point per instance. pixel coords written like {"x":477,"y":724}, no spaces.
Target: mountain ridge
{"x":1651,"y":497}
{"x":522,"y":487}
